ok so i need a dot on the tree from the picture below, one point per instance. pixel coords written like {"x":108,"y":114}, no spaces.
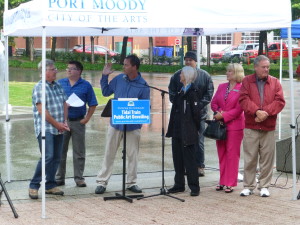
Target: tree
{"x":31,"y":42}
{"x":208,"y":50}
{"x":92,"y":49}
{"x":263,"y":40}
{"x":150,"y":50}
{"x":124,"y":48}
{"x":53,"y":47}
{"x":295,"y":9}
{"x":189,"y":41}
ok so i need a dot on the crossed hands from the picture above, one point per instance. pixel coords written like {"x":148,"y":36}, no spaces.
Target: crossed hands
{"x":61,"y":127}
{"x":261,"y":116}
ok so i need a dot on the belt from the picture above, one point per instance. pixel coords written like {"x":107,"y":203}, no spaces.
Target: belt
{"x":76,"y":119}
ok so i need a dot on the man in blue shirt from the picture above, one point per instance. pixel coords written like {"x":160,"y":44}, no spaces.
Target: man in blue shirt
{"x":78,"y":117}
{"x":129,"y":84}
{"x":56,"y":113}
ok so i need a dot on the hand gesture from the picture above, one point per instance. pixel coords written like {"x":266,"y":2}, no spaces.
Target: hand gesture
{"x":107,"y":69}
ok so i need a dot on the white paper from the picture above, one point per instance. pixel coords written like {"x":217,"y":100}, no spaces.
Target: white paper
{"x":74,"y":101}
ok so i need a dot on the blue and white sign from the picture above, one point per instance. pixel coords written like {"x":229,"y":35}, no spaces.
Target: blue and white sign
{"x":130,"y":111}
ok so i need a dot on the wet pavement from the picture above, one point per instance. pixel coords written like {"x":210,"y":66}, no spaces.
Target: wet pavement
{"x":25,"y":153}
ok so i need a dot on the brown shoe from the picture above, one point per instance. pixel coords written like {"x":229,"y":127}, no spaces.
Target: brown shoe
{"x":81,"y":183}
{"x":54,"y":191}
{"x":33,"y":193}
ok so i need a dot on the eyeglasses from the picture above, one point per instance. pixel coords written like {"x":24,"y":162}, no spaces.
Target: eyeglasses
{"x":52,"y":69}
{"x":72,"y":68}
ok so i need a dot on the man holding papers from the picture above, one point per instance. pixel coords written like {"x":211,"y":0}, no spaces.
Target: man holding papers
{"x":129,"y":84}
{"x":80,"y":93}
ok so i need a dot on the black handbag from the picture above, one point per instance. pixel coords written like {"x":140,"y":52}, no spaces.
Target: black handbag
{"x":215,"y":130}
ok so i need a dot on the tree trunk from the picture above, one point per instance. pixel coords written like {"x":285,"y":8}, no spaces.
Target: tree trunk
{"x":208,"y":50}
{"x":112,"y":43}
{"x":93,"y":50}
{"x":124,"y":48}
{"x":31,"y":42}
{"x":83,"y":44}
{"x":53,"y":47}
{"x":150,"y":50}
{"x":189,"y":41}
{"x":262,"y":40}
{"x":27,"y":48}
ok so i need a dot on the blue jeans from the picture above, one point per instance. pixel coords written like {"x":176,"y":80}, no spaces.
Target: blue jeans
{"x":200,"y":148}
{"x":53,"y":150}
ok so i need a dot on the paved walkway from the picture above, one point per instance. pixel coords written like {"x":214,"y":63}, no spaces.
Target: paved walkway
{"x":82,"y":206}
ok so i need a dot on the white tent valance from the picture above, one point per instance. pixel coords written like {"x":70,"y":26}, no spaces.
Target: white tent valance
{"x":163,"y":17}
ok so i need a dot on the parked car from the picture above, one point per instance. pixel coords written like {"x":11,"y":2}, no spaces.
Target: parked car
{"x":98,"y":50}
{"x":238,"y":53}
{"x":251,"y":54}
{"x":219,"y":55}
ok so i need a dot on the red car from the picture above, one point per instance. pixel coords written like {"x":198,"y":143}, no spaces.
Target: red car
{"x":219,"y":55}
{"x":98,"y":50}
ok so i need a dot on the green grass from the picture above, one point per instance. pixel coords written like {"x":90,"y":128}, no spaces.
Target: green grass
{"x":20,"y":94}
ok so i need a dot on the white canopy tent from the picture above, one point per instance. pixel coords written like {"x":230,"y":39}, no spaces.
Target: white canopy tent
{"x":145,"y":18}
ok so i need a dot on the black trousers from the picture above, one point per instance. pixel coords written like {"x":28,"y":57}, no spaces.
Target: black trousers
{"x":184,"y":159}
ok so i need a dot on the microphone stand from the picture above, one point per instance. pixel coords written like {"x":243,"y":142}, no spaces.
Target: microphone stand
{"x":163,"y":190}
{"x":3,"y":189}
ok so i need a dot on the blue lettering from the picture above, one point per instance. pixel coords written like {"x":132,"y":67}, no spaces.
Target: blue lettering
{"x":50,"y":2}
{"x":73,"y":4}
{"x":132,"y":4}
{"x":113,"y":4}
{"x":120,"y":4}
{"x":142,"y":4}
{"x":96,"y":5}
{"x":62,"y":6}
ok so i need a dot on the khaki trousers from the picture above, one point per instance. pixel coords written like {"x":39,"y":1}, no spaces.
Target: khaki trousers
{"x":114,"y":138}
{"x":259,"y":146}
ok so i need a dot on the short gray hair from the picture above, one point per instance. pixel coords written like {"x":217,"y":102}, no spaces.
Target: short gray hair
{"x":260,"y":58}
{"x":49,"y":62}
{"x":189,"y":73}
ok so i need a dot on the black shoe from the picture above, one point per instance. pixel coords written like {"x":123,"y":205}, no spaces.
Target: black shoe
{"x":135,"y":189}
{"x":100,"y":189}
{"x":195,"y":193}
{"x":175,"y":189}
{"x":60,"y":182}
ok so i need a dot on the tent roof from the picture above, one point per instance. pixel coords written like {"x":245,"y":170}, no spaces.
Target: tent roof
{"x":147,"y":17}
{"x":295,"y":30}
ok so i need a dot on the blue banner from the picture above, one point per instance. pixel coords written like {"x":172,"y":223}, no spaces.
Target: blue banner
{"x":131,"y":111}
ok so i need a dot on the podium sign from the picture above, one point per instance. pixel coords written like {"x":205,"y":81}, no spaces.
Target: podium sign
{"x":128,"y":111}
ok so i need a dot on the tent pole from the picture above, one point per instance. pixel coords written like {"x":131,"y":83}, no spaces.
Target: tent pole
{"x":43,"y":122}
{"x":198,"y":52}
{"x":280,"y":79}
{"x":294,"y":197}
{"x":7,"y":118}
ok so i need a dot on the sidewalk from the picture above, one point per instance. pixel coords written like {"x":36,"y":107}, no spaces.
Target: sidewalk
{"x":82,"y":206}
